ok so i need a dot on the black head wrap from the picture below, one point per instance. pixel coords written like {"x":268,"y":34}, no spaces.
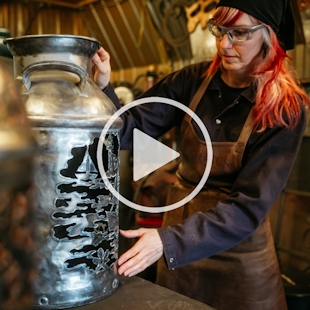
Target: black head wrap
{"x":275,"y":13}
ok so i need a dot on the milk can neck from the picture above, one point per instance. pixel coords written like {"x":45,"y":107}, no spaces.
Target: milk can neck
{"x":32,"y":49}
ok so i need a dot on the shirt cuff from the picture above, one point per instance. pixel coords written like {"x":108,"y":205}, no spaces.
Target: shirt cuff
{"x":169,"y":253}
{"x":109,"y":91}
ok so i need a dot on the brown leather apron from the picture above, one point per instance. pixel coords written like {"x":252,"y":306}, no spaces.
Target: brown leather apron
{"x":247,"y":276}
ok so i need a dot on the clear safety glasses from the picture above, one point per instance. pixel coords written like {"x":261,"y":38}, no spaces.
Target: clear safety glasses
{"x":235,"y":34}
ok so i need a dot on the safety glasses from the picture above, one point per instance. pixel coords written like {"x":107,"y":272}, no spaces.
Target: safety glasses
{"x":235,"y":34}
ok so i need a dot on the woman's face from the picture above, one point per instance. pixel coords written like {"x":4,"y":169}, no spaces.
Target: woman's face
{"x":238,"y":56}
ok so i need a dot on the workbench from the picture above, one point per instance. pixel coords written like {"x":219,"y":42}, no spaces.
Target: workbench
{"x":135,"y":293}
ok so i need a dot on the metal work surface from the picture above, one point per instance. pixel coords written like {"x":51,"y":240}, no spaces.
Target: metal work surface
{"x":139,"y":294}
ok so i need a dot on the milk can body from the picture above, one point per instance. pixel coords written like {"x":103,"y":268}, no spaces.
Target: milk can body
{"x":17,"y":150}
{"x":76,"y":216}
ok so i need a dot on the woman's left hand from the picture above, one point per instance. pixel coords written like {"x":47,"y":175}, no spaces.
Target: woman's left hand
{"x":146,"y":251}
{"x":101,"y":68}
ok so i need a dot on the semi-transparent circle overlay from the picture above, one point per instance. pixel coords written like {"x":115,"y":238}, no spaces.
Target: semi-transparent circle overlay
{"x":203,"y":178}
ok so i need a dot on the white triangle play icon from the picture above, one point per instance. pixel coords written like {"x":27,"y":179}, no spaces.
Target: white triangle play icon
{"x":149,"y":154}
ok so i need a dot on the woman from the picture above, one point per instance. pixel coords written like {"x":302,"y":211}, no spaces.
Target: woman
{"x":218,"y":248}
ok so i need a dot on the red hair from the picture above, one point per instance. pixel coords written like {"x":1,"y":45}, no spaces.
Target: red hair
{"x":278,"y":94}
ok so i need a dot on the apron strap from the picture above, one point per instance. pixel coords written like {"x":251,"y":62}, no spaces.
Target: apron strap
{"x":245,"y":134}
{"x":199,"y":93}
{"x":248,"y":125}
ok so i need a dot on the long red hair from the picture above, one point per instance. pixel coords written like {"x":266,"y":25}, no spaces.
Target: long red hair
{"x":278,"y":94}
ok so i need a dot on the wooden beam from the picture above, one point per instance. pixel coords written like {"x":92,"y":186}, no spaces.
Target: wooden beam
{"x":68,"y":4}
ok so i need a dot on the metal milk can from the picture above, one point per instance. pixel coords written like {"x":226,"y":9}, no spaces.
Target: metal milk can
{"x":17,"y":150}
{"x":76,"y":216}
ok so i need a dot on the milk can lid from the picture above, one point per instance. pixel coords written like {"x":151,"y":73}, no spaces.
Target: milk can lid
{"x":52,"y":43}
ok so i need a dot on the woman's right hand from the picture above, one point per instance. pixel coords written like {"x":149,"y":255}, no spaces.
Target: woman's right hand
{"x":146,"y":251}
{"x":101,"y":68}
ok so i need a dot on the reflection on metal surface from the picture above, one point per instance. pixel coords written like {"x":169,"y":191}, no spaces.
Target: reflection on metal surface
{"x":76,"y":216}
{"x":77,"y":221}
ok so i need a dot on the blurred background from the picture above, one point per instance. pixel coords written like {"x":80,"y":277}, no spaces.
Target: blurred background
{"x":147,"y":39}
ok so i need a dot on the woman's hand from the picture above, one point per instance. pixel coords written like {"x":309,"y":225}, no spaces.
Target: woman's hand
{"x":101,"y":68}
{"x":146,"y":251}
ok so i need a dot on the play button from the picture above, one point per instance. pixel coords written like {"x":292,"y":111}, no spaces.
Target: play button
{"x":154,"y":157}
{"x":149,"y":154}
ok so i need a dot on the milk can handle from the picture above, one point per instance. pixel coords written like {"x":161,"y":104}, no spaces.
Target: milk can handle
{"x":55,"y":65}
